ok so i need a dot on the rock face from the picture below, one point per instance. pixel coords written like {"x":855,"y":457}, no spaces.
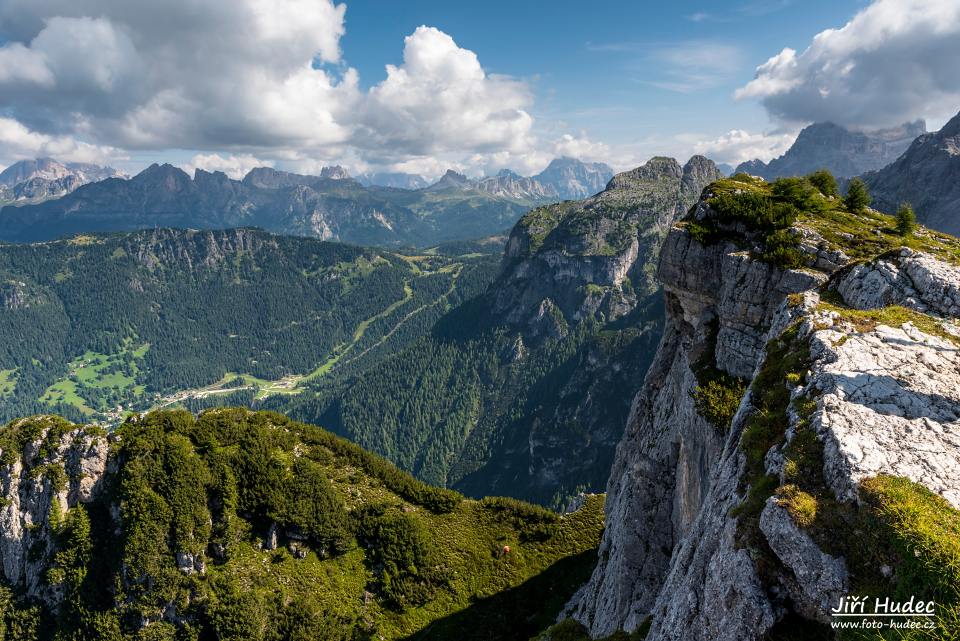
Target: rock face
{"x":34,"y":181}
{"x":881,"y":396}
{"x":574,"y":179}
{"x":845,"y":153}
{"x":595,"y":257}
{"x":927,"y":175}
{"x":46,"y":470}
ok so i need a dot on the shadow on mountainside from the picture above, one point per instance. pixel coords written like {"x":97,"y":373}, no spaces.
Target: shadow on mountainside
{"x":518,"y":613}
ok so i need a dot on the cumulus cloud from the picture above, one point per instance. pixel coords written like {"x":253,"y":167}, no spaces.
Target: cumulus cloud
{"x":17,"y":142}
{"x":264,"y":78}
{"x":234,"y":165}
{"x":580,"y":147}
{"x":737,"y":146}
{"x":892,"y":62}
{"x":442,"y":99}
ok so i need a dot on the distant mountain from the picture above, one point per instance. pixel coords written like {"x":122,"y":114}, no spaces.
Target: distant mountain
{"x":844,"y":152}
{"x":574,"y":179}
{"x":512,"y":185}
{"x":331,"y":207}
{"x":927,"y":175}
{"x":334,"y":172}
{"x":506,"y":184}
{"x":32,"y":181}
{"x":451,"y":180}
{"x":726,"y":169}
{"x":397,"y":180}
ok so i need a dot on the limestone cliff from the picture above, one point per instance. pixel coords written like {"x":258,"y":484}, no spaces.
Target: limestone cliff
{"x":737,"y":528}
{"x":47,"y":467}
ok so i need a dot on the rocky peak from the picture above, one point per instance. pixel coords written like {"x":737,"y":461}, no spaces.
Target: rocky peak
{"x":594,"y":257}
{"x":165,"y":176}
{"x":34,"y":181}
{"x":45,"y":168}
{"x":335,"y":172}
{"x":451,"y":180}
{"x":509,"y":184}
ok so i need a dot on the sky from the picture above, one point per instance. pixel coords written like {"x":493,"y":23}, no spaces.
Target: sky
{"x":423,"y":85}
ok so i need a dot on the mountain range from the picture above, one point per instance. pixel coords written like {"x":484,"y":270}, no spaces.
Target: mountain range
{"x":843,"y":152}
{"x":563,"y":179}
{"x":332,"y":333}
{"x":32,"y":181}
{"x":98,"y":325}
{"x":331,"y":206}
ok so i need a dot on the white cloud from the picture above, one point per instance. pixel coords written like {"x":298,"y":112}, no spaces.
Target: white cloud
{"x":892,"y":62}
{"x":234,"y":165}
{"x":17,"y":142}
{"x":441,"y":99}
{"x":737,"y":146}
{"x":265,"y":78}
{"x":580,"y":147}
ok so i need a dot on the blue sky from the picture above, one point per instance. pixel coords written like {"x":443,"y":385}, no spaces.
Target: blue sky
{"x":616,"y":70}
{"x":421,"y":86}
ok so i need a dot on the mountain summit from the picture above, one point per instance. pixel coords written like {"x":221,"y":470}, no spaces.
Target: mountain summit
{"x":574,"y":179}
{"x":844,"y":152}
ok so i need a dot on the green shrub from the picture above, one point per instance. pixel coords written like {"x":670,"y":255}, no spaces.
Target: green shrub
{"x":857,"y":198}
{"x":824,"y":181}
{"x":717,"y":400}
{"x":532,"y":522}
{"x":906,"y":220}
{"x":313,"y":507}
{"x":781,"y":250}
{"x":402,"y":553}
{"x":798,"y":192}
{"x":801,"y":505}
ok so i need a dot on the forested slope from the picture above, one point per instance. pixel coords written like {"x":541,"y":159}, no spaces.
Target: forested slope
{"x":96,"y":325}
{"x":249,"y":526}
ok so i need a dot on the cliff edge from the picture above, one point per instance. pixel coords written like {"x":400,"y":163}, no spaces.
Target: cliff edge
{"x":797,"y":438}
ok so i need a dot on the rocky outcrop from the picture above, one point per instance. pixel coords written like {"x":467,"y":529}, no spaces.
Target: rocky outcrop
{"x":844,"y":152}
{"x":692,"y":545}
{"x":47,"y":469}
{"x":594,"y":258}
{"x":927,"y":175}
